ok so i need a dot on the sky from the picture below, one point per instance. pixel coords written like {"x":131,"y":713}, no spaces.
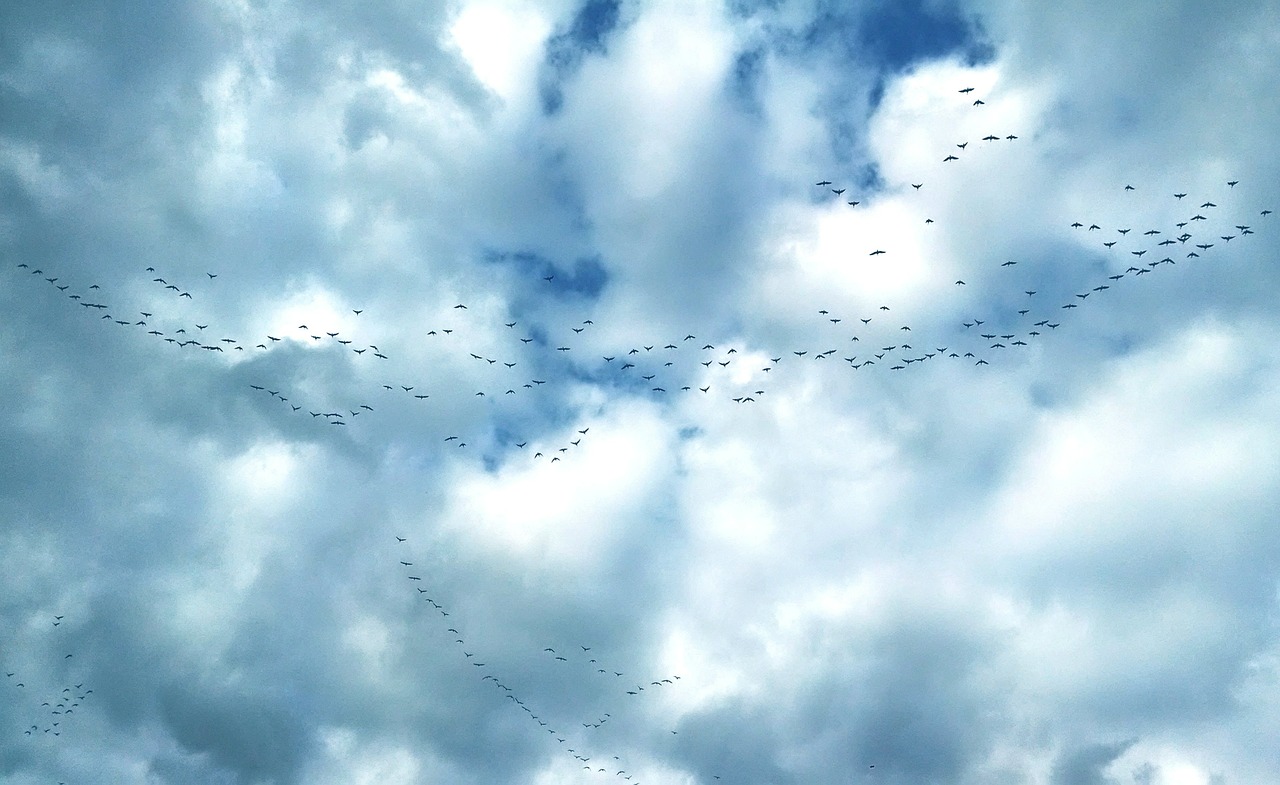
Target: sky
{"x":622,"y":391}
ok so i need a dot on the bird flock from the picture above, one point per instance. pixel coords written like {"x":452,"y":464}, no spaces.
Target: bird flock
{"x":580,"y":738}
{"x":531,"y":360}
{"x":680,"y":364}
{"x":46,"y":710}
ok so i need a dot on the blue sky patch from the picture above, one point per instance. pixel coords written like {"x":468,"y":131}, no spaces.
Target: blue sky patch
{"x":564,"y":51}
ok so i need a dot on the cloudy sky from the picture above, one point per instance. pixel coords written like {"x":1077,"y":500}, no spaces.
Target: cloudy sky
{"x":484,"y":392}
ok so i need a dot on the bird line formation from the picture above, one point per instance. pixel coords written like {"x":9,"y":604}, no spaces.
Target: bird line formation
{"x":661,"y":366}
{"x":1042,"y":317}
{"x":1038,"y":315}
{"x":576,"y":659}
{"x":654,"y":367}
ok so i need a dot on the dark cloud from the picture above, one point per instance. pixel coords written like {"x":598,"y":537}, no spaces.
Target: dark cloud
{"x":106,"y":87}
{"x":257,"y":740}
{"x":1086,"y":764}
{"x":747,"y":70}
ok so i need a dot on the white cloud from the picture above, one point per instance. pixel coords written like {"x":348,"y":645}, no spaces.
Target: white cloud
{"x":958,"y":573}
{"x":502,"y":44}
